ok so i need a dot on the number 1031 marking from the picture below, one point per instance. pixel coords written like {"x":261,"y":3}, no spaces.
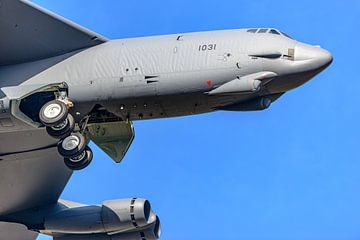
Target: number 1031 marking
{"x":207,"y":47}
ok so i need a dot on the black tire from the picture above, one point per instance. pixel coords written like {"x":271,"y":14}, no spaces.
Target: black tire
{"x":59,"y":132}
{"x":58,"y":118}
{"x":66,"y":149}
{"x":81,"y":164}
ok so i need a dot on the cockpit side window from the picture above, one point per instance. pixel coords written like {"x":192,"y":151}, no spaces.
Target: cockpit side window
{"x":273,"y":31}
{"x":254,"y":30}
{"x":264,"y":30}
{"x":286,"y":35}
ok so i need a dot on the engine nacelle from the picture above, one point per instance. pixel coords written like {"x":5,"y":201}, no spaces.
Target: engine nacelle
{"x":113,"y":217}
{"x":152,"y":232}
{"x":125,"y":214}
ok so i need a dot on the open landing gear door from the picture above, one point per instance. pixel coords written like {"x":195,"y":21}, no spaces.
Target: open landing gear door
{"x":114,"y":138}
{"x":26,"y":100}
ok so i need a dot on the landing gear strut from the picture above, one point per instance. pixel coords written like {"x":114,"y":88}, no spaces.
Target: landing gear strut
{"x":60,"y":125}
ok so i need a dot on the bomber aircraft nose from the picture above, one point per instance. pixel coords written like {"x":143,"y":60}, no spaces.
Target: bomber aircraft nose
{"x":319,"y":57}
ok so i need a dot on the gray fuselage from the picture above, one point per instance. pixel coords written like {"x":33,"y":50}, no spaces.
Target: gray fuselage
{"x":169,"y":76}
{"x":95,"y":93}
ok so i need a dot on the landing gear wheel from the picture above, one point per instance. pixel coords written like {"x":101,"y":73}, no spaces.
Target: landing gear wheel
{"x":62,"y":130}
{"x":72,"y":146}
{"x":80,"y":162}
{"x":53,"y":113}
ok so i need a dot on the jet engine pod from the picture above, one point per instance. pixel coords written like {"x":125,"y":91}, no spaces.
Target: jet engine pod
{"x":152,"y":232}
{"x":122,"y":215}
{"x":257,"y":104}
{"x":113,"y":217}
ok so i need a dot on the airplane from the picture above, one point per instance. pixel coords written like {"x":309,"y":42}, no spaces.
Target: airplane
{"x":63,"y":86}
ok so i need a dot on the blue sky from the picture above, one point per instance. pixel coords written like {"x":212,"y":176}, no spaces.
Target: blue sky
{"x":289,"y":173}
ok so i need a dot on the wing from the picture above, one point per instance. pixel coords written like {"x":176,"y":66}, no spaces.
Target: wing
{"x":30,"y":33}
{"x":10,"y":231}
{"x":32,"y":173}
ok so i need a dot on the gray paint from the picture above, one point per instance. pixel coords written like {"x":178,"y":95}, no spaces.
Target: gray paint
{"x":44,"y":34}
{"x":12,"y":231}
{"x":114,"y":73}
{"x":13,"y":75}
{"x":132,"y":79}
{"x":32,"y":173}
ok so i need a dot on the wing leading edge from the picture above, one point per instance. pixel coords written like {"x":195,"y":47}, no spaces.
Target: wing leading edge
{"x":30,"y":33}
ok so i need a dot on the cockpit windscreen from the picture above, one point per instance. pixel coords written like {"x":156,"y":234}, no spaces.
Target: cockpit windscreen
{"x":269,"y":31}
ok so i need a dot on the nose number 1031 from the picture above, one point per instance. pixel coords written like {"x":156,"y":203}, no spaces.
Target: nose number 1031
{"x":207,"y":47}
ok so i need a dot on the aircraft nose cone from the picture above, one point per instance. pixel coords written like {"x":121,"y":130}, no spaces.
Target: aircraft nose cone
{"x":320,"y":57}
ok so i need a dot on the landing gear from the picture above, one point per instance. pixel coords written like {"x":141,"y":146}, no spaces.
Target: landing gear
{"x":72,"y":145}
{"x":53,"y":113}
{"x":80,"y":162}
{"x":77,"y":155}
{"x":61,"y":125}
{"x":62,"y":130}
